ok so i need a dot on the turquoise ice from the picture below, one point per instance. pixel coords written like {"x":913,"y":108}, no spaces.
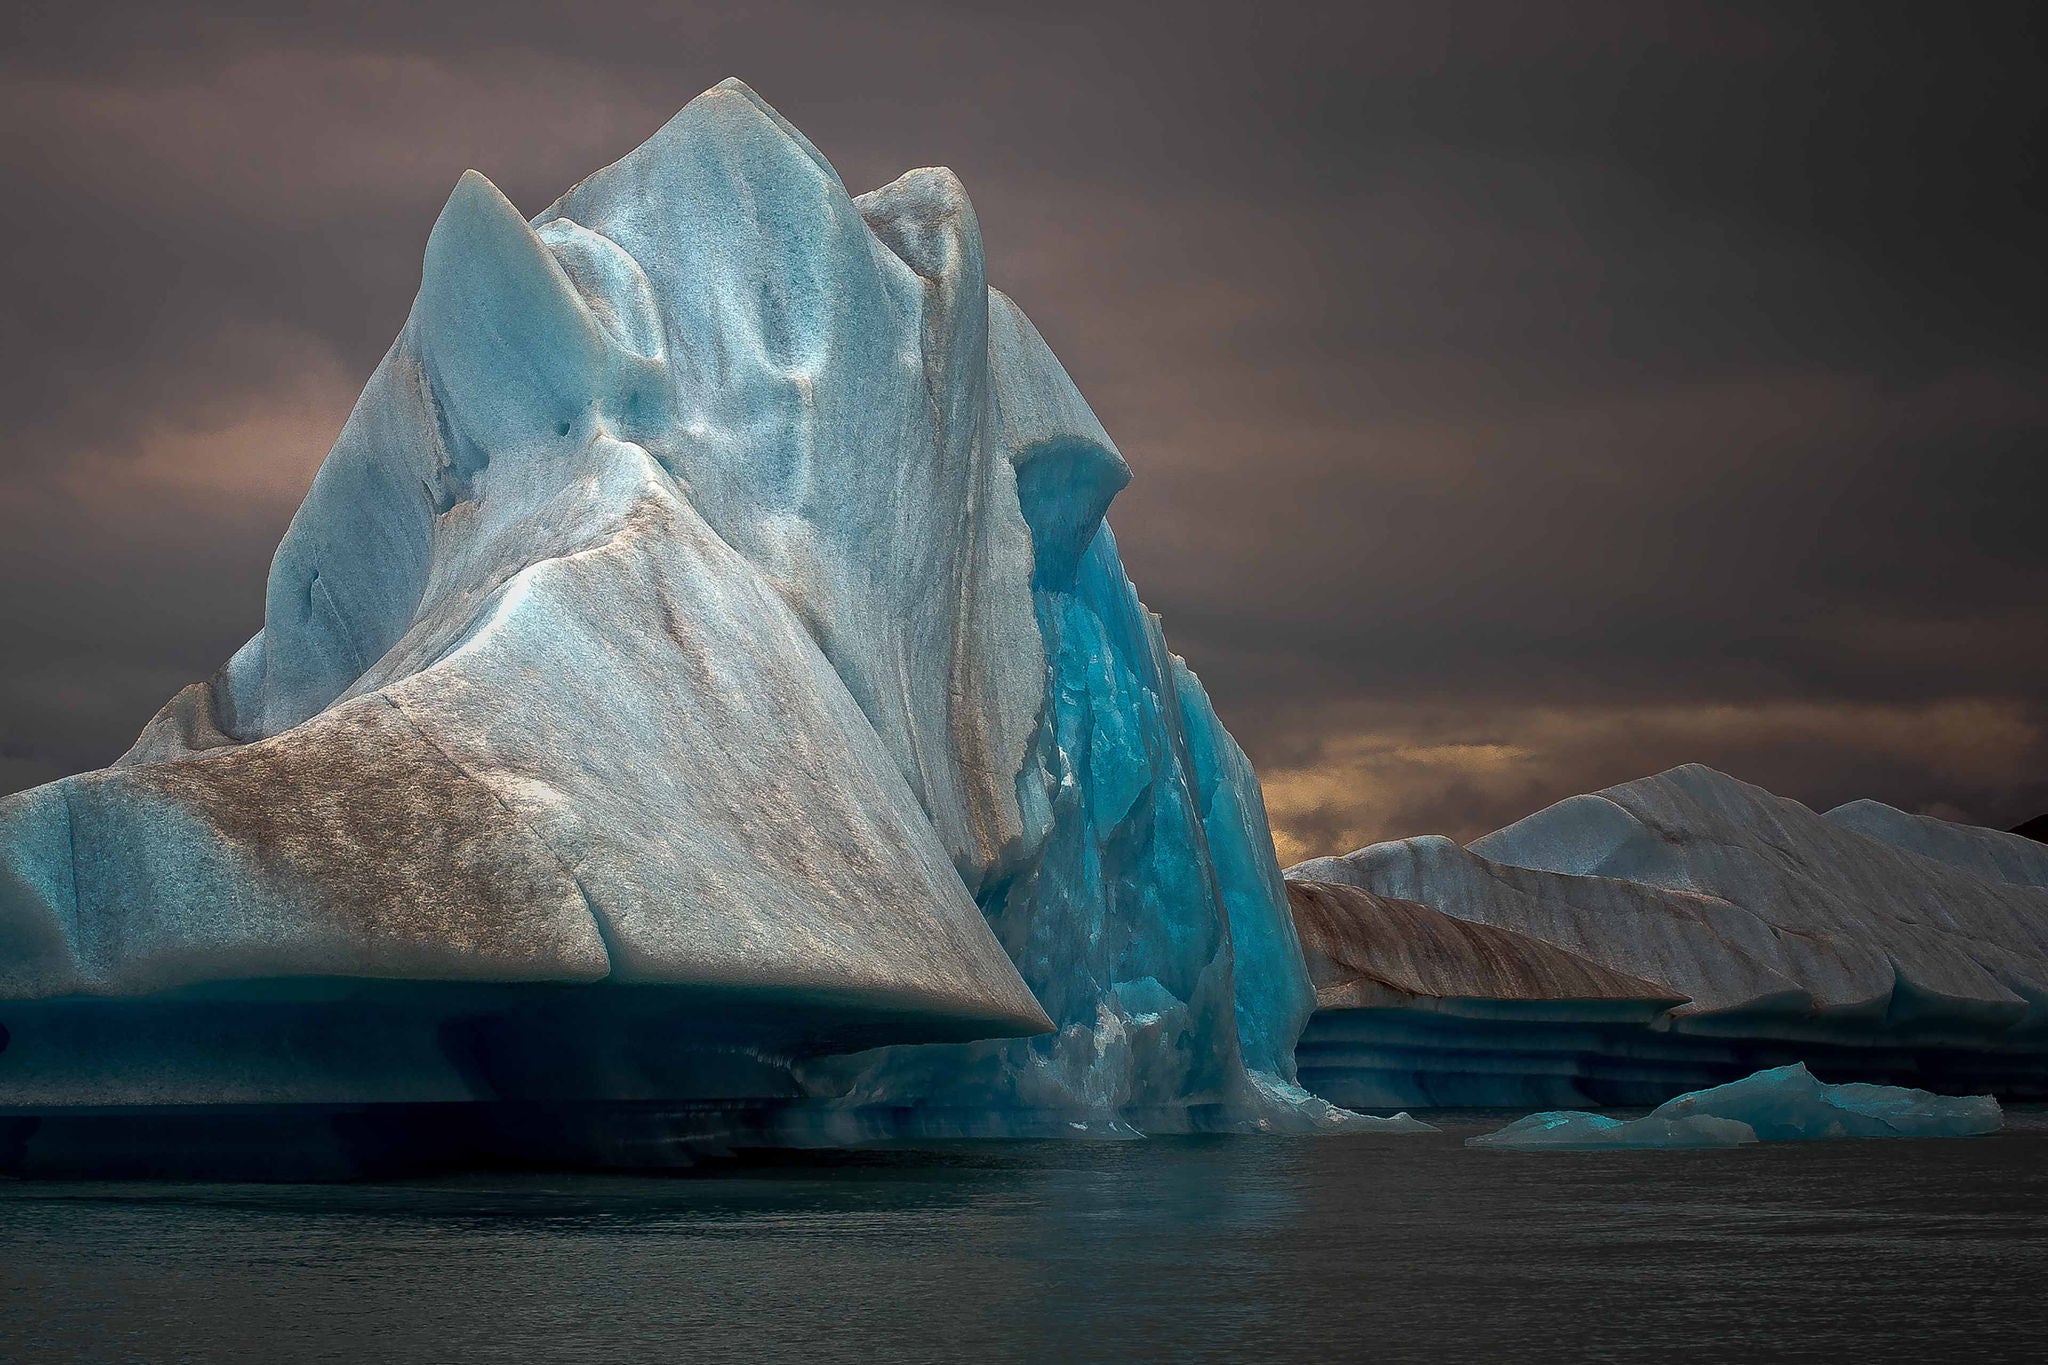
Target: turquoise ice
{"x":1783,"y":1104}
{"x":1572,"y":1130}
{"x":1151,"y":926}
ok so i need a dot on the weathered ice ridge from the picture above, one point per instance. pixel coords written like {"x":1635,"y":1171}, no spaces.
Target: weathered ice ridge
{"x":1995,"y":855}
{"x":1875,"y":944}
{"x":702,"y":652}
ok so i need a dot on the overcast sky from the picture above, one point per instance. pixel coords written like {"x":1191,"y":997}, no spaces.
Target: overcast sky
{"x":1522,"y":398}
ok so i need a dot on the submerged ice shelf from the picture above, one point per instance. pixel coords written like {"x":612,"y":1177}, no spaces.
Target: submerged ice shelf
{"x":1784,"y":1104}
{"x":700,"y":662}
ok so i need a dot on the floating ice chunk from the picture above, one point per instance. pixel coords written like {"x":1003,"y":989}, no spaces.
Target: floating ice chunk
{"x":1299,"y":1111}
{"x":1789,"y":1104}
{"x":1567,"y":1130}
{"x":1783,"y":1104}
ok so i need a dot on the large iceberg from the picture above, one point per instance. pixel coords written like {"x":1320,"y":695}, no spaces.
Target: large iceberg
{"x":1881,"y":946}
{"x":1784,"y":1104}
{"x":701,"y":657}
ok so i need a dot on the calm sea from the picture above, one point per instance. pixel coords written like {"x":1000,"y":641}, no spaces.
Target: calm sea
{"x":1384,"y":1249}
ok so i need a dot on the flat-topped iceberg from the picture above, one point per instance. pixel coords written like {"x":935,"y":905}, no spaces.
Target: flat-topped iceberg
{"x":1784,"y":1104}
{"x":1882,"y":946}
{"x":700,"y":655}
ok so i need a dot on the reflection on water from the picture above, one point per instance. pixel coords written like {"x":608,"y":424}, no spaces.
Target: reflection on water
{"x":1382,"y":1248}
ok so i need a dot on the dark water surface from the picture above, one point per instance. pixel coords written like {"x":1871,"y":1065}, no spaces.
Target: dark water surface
{"x":1244,"y":1248}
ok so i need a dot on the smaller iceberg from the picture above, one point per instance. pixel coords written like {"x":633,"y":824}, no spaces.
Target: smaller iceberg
{"x":1783,"y":1104}
{"x":1571,"y":1130}
{"x":1789,"y":1104}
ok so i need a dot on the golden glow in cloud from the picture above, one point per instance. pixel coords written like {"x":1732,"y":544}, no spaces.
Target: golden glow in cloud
{"x":246,"y":461}
{"x":1394,"y":772}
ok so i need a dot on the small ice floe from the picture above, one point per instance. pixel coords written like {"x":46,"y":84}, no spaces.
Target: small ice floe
{"x":1783,"y":1104}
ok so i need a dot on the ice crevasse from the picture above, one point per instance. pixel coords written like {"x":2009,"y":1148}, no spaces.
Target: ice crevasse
{"x":699,"y":670}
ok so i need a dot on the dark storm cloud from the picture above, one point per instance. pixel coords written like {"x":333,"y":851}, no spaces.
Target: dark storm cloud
{"x":1521,"y":399}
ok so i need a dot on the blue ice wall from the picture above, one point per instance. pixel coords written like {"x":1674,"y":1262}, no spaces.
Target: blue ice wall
{"x":1153,"y":927}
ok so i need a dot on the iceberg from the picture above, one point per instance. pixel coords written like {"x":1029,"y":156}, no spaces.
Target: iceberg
{"x":699,"y":681}
{"x":1784,"y":1104}
{"x":1572,"y":1131}
{"x":1886,"y":948}
{"x":1790,"y":1104}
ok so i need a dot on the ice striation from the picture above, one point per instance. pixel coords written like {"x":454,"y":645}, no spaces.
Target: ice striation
{"x":700,"y":657}
{"x":1876,"y":946}
{"x":1415,"y":1007}
{"x":1783,"y":1104}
